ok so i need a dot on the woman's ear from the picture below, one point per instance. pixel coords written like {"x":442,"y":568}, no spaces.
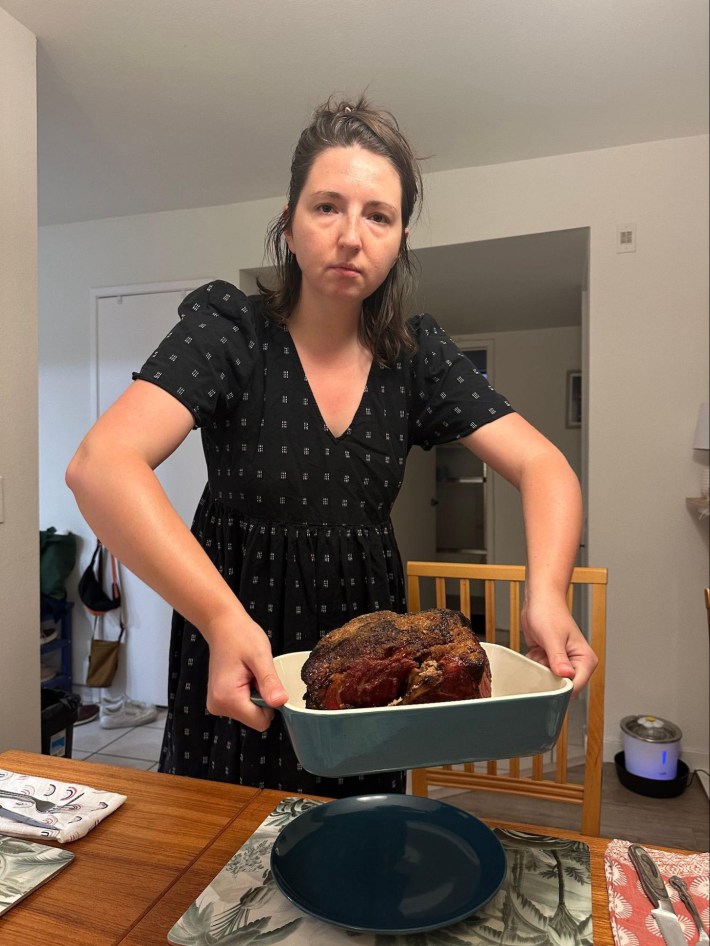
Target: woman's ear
{"x":286,"y":222}
{"x":402,"y":247}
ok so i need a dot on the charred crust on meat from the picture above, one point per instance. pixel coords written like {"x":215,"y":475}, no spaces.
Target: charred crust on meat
{"x":388,"y":659}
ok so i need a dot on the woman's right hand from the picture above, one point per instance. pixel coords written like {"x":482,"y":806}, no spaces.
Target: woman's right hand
{"x":240,"y":661}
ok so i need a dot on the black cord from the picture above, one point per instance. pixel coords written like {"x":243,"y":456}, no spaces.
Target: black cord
{"x":694,"y":773}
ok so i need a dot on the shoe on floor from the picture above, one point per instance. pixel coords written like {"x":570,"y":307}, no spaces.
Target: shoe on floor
{"x":48,"y":632}
{"x":47,"y":673}
{"x":88,"y":712}
{"x":124,"y":712}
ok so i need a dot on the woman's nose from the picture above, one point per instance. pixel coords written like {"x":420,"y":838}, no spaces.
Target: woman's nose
{"x":350,"y":231}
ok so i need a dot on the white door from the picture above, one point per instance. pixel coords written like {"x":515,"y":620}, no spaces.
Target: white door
{"x":129,"y":329}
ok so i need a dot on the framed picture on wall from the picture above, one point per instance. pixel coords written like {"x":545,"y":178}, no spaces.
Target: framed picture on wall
{"x":574,"y":399}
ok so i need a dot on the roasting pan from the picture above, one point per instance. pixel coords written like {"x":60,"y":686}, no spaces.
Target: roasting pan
{"x":523,"y":716}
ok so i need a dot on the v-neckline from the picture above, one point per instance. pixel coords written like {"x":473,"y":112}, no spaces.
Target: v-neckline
{"x":314,"y":402}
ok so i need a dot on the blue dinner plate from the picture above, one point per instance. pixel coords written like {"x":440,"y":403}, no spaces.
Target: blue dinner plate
{"x":388,"y":863}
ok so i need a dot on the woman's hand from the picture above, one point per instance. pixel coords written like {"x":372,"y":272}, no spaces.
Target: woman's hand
{"x":240,"y":660}
{"x":554,"y":640}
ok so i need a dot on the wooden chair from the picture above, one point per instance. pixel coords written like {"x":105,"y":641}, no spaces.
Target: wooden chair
{"x":485,"y":775}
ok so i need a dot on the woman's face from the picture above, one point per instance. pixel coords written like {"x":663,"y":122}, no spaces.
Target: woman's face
{"x":346,"y":230}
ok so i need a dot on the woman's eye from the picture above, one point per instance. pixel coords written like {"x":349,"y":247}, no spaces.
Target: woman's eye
{"x":325,"y":208}
{"x":379,"y":218}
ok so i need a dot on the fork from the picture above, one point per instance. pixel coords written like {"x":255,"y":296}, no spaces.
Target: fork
{"x":682,"y":888}
{"x":11,"y":815}
{"x":40,"y":805}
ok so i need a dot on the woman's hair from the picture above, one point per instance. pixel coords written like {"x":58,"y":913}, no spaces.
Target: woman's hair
{"x":342,"y":124}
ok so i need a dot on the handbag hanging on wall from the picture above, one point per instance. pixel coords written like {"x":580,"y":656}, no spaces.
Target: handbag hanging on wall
{"x":91,"y":584}
{"x":104,"y":653}
{"x":103,"y":656}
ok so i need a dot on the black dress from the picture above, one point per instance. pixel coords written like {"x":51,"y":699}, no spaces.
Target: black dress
{"x":295,"y":519}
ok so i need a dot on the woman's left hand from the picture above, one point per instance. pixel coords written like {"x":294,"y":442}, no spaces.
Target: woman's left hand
{"x":554,"y":640}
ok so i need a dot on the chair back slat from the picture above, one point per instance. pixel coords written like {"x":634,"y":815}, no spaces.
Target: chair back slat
{"x":561,"y":752}
{"x":514,"y":615}
{"x":525,"y":777}
{"x":413,"y":596}
{"x":465,"y":597}
{"x":490,"y":610}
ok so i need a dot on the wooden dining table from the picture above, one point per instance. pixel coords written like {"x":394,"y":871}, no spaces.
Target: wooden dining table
{"x":136,"y":873}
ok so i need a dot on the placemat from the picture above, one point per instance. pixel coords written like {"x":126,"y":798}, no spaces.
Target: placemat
{"x":630,"y":908}
{"x":546,"y":897}
{"x":26,"y":865}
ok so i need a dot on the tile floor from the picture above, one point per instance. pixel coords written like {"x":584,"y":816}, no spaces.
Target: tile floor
{"x":135,"y":747}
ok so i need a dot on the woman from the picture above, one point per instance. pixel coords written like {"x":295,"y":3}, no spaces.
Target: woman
{"x":309,"y":397}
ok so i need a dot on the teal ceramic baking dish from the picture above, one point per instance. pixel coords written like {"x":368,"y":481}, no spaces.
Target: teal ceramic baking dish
{"x":523,"y":716}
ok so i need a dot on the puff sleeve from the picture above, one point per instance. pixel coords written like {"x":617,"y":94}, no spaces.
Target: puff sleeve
{"x":207,"y":359}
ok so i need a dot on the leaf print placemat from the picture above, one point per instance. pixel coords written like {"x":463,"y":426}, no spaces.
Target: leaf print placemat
{"x":26,"y":865}
{"x":546,"y":898}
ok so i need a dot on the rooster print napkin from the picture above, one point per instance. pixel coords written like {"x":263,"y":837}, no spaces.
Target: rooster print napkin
{"x":630,"y":908}
{"x":43,"y":809}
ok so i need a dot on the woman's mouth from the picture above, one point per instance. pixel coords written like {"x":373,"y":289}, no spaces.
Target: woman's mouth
{"x":343,"y":269}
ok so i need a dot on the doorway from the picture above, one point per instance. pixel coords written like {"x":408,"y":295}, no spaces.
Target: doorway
{"x":129,"y":323}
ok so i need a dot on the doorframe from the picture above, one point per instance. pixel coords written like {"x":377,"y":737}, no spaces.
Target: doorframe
{"x":484,"y":343}
{"x":110,"y":292}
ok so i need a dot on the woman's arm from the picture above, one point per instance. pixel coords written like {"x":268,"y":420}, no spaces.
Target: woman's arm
{"x":112,"y":478}
{"x":552,"y":513}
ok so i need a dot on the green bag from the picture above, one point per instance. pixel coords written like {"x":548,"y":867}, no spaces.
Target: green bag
{"x":57,"y":557}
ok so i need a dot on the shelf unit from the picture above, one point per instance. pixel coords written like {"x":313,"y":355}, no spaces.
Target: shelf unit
{"x":59,"y":613}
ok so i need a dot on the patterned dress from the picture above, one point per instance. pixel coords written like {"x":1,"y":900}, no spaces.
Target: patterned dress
{"x":295,"y":519}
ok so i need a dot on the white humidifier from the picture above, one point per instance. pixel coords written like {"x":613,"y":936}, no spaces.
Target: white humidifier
{"x":651,"y":747}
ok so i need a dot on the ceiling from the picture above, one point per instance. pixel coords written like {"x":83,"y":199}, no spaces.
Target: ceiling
{"x":150,"y":105}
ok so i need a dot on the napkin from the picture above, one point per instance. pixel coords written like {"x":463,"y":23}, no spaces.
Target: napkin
{"x":77,"y":808}
{"x":630,"y":908}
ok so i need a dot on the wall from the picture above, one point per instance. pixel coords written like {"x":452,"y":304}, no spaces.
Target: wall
{"x":647,"y":343}
{"x":19,"y":540}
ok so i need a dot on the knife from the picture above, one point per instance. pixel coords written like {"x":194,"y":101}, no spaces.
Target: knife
{"x":654,"y":888}
{"x":23,"y":819}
